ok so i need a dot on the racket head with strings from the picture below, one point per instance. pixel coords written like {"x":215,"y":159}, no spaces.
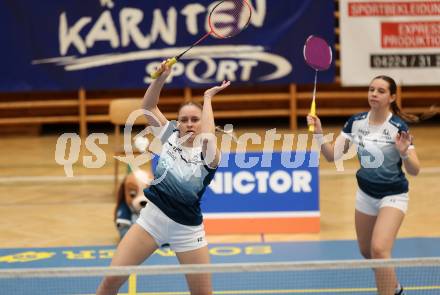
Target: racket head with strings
{"x":227,"y":19}
{"x":318,"y":55}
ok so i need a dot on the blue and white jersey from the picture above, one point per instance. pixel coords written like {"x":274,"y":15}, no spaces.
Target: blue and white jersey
{"x":181,"y":178}
{"x":381,"y":172}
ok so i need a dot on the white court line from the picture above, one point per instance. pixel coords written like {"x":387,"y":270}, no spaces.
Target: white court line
{"x":108,"y":178}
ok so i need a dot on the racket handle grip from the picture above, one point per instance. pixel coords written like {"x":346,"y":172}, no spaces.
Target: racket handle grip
{"x":169,"y":63}
{"x":313,"y":113}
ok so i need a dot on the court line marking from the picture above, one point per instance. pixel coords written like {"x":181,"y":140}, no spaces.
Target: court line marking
{"x":106,"y":178}
{"x":290,"y":291}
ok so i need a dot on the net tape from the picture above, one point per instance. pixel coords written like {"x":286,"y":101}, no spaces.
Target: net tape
{"x":216,"y":268}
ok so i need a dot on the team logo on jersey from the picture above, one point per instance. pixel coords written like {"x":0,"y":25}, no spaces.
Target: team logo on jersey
{"x":386,"y":134}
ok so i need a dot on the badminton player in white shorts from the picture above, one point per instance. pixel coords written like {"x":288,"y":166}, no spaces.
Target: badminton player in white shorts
{"x":383,"y":145}
{"x":185,"y":168}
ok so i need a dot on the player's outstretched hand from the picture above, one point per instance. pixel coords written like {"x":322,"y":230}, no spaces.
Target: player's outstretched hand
{"x":216,"y":89}
{"x":403,"y":141}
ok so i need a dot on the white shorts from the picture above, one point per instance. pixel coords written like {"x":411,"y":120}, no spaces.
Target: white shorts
{"x":371,"y":206}
{"x":182,"y":238}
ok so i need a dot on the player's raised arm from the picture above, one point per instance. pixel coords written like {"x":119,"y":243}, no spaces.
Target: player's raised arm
{"x":209,"y":148}
{"x":151,"y":97}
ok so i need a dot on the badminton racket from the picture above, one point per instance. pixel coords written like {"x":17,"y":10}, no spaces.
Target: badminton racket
{"x":318,"y":55}
{"x":227,"y":19}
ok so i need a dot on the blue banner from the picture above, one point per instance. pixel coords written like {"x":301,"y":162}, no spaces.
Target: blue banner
{"x":264,"y":182}
{"x":114,"y":44}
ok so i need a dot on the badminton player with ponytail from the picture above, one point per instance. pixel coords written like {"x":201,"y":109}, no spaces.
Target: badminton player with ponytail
{"x":382,"y":195}
{"x":187,"y":163}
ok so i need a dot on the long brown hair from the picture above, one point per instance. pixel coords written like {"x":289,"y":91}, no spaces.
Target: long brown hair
{"x":398,"y":111}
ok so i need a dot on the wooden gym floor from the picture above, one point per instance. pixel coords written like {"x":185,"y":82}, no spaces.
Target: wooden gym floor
{"x":40,"y":207}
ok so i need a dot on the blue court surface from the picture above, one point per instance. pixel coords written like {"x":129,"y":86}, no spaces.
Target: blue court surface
{"x":417,"y":280}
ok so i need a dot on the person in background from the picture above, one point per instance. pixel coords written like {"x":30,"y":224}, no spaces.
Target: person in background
{"x":384,"y":145}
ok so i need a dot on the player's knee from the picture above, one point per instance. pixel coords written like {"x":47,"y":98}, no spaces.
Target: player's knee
{"x":366,"y":253}
{"x":380,"y":251}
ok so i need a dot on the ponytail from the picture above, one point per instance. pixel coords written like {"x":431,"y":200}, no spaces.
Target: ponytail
{"x":410,"y":118}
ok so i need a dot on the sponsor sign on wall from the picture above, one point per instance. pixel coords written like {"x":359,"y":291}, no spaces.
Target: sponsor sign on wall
{"x":263,"y":193}
{"x":115,"y":44}
{"x":396,"y":38}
